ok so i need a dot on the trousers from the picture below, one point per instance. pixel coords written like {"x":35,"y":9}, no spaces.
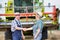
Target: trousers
{"x":16,"y":36}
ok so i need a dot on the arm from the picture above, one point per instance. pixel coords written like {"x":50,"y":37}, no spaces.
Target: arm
{"x":18,"y":28}
{"x":40,"y":27}
{"x":15,"y":27}
{"x":23,"y":37}
{"x":38,"y":31}
{"x":29,"y":28}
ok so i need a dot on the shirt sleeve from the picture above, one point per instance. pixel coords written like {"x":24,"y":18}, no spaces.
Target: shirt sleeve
{"x":14,"y":24}
{"x":33,"y":26}
{"x":40,"y":25}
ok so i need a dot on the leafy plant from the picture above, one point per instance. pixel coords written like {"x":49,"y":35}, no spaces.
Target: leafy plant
{"x":1,"y":20}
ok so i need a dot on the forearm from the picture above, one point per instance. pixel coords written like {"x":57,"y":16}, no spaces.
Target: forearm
{"x":22,"y":33}
{"x":18,"y":28}
{"x":29,"y":28}
{"x":23,"y":37}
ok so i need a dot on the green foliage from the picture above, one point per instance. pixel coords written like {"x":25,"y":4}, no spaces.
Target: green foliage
{"x":1,"y":20}
{"x":36,"y":1}
{"x":40,"y":3}
{"x":42,"y":9}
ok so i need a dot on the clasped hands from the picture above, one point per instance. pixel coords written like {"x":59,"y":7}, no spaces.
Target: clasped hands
{"x":25,"y":29}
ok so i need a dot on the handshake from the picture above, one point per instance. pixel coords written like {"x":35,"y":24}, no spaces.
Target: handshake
{"x":25,"y":29}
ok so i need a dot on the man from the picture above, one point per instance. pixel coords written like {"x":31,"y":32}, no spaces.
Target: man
{"x":17,"y":29}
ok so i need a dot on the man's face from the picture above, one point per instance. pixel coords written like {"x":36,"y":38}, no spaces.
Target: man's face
{"x":18,"y":17}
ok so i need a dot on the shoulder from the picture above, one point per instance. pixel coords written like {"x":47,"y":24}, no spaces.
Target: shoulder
{"x":13,"y":21}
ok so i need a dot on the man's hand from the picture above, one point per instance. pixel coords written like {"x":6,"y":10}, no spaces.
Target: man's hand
{"x":23,"y":37}
{"x":24,"y":29}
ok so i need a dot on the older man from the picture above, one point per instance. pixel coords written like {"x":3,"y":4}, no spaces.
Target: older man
{"x":16,"y":29}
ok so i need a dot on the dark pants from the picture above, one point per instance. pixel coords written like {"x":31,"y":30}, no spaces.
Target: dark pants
{"x":44,"y":33}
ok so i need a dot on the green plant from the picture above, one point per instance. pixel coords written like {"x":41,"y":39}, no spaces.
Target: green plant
{"x":1,"y":20}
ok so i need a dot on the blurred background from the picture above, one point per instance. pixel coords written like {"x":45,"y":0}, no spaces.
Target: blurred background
{"x":49,"y":9}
